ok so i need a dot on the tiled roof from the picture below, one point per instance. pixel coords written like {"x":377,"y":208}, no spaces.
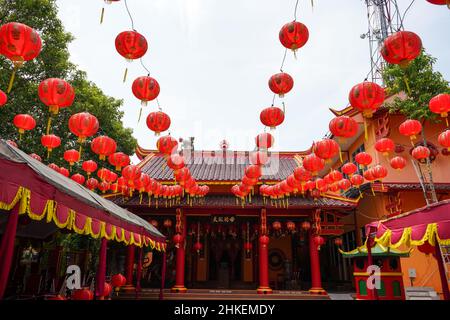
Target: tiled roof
{"x":221,"y":201}
{"x":206,"y":167}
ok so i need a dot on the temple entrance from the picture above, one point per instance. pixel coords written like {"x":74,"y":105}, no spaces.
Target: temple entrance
{"x":225,"y":265}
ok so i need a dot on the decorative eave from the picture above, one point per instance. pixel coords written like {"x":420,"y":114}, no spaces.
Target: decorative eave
{"x":377,"y":250}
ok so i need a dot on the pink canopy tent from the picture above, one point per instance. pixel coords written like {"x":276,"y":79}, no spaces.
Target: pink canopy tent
{"x":29,"y":187}
{"x":430,"y":224}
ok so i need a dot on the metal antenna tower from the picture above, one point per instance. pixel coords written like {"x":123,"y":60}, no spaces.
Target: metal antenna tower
{"x":384,"y":18}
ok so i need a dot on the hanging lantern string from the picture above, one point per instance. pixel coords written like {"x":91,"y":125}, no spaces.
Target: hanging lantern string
{"x":129,"y":14}
{"x":144,"y":66}
{"x":295,"y":10}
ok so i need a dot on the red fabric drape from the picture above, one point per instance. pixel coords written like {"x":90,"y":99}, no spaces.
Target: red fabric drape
{"x":101,"y":269}
{"x":7,"y":249}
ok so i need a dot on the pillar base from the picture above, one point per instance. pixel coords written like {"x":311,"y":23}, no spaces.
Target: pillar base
{"x":264,"y":290}
{"x":178,"y":289}
{"x":317,"y":291}
{"x":128,"y":287}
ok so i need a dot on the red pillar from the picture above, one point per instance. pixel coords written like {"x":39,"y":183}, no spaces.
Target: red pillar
{"x":129,"y":266}
{"x":101,"y":270}
{"x":264,"y":265}
{"x":7,"y":248}
{"x":316,"y":282}
{"x":180,"y":255}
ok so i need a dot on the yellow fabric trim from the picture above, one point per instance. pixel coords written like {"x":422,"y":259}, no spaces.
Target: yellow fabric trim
{"x":91,"y":232}
{"x":105,"y":235}
{"x":17,"y":197}
{"x":122,"y":236}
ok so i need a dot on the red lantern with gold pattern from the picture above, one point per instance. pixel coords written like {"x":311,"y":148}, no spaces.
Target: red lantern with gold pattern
{"x":281,"y":83}
{"x":56,"y":94}
{"x":78,"y":178}
{"x":276,"y":225}
{"x":64,"y":172}
{"x":167,"y":145}
{"x":401,"y":48}
{"x":294,"y":35}
{"x":175,"y":161}
{"x":83,"y":125}
{"x":158,"y":122}
{"x":91,"y":184}
{"x":301,"y":174}
{"x":53,"y":167}
{"x":410,"y":128}
{"x":131,"y":45}
{"x":379,"y":172}
{"x":118,"y":280}
{"x":259,"y":158}
{"x":319,"y":241}
{"x":19,"y":43}
{"x":272,"y":117}
{"x":24,"y":122}
{"x":440,"y":104}
{"x":3,"y":98}
{"x":253,"y":171}
{"x":131,"y":173}
{"x":89,"y":166}
{"x":349,"y":168}
{"x":264,"y":140}
{"x":145,"y":89}
{"x":420,"y":152}
{"x":335,"y":176}
{"x":398,"y":163}
{"x":119,"y":160}
{"x":306,"y":225}
{"x":103,"y":186}
{"x":440,"y":2}
{"x":50,"y":141}
{"x":71,"y":156}
{"x":366,"y":97}
{"x":343,"y":127}
{"x":313,"y":163}
{"x":326,"y":149}
{"x":385,"y":146}
{"x":338,"y":242}
{"x":357,"y":180}
{"x":36,"y":157}
{"x":444,"y":139}
{"x":82,"y":294}
{"x":363,"y":159}
{"x":103,"y":146}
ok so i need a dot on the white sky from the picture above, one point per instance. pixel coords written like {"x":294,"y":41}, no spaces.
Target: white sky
{"x":213,"y":58}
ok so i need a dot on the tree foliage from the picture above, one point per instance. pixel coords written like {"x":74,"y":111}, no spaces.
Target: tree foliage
{"x":420,"y":83}
{"x":53,"y":61}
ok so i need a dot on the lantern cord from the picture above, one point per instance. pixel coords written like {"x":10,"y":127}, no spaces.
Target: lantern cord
{"x":129,"y":14}
{"x":102,"y":15}
{"x":140,"y":114}
{"x":365,"y":129}
{"x":143,"y":66}
{"x":11,"y":80}
{"x":81,"y":149}
{"x":408,"y":88}
{"x":284,"y":59}
{"x":295,"y":10}
{"x":49,"y":123}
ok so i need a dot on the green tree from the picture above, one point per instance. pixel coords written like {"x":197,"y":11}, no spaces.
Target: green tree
{"x":420,"y":83}
{"x":53,"y":61}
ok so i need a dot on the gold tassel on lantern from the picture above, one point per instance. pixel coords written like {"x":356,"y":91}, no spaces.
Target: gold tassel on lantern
{"x":13,"y":76}
{"x":102,"y":15}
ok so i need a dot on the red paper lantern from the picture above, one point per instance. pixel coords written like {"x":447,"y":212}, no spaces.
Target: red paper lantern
{"x":335,"y":176}
{"x":410,"y":128}
{"x":24,"y":122}
{"x":363,"y":159}
{"x":56,"y":93}
{"x":145,"y":89}
{"x":175,"y":161}
{"x":167,"y":223}
{"x":198,"y":246}
{"x":281,"y":83}
{"x":119,"y":160}
{"x":167,"y":145}
{"x":36,"y":157}
{"x":64,"y":172}
{"x":366,"y":97}
{"x":248,"y":246}
{"x":368,"y":175}
{"x":71,"y":156}
{"x":319,"y":241}
{"x":264,"y":240}
{"x":131,"y":45}
{"x":131,"y":173}
{"x":89,"y":166}
{"x":349,"y":168}
{"x":294,"y":35}
{"x":440,"y":104}
{"x":276,"y":225}
{"x":249,"y":181}
{"x":103,"y":146}
{"x":103,"y":174}
{"x":343,"y":127}
{"x":357,"y":180}
{"x":118,"y":280}
{"x":259,"y":158}
{"x":3,"y":98}
{"x":444,"y":139}
{"x":385,"y":146}
{"x":264,"y":140}
{"x":272,"y":117}
{"x":253,"y":171}
{"x":290,"y":226}
{"x":177,"y":240}
{"x":420,"y":152}
{"x":103,"y":186}
{"x":158,"y":122}
{"x":398,"y":163}
{"x":53,"y":167}
{"x":91,"y":184}
{"x":50,"y":141}
{"x":306,"y":225}
{"x":440,"y":2}
{"x":78,"y":178}
{"x":338,"y":242}
{"x":313,"y":163}
{"x":107,"y":289}
{"x":379,"y":172}
{"x":401,"y":48}
{"x":19,"y":43}
{"x":82,"y":294}
{"x":301,"y":174}
{"x":326,"y":149}
{"x":83,"y":125}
